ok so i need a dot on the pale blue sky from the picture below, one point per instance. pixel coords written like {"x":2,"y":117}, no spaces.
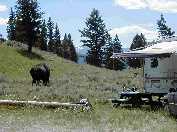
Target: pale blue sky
{"x":125,"y":17}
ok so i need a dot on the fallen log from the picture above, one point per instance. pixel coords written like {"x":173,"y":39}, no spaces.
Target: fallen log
{"x":40,"y":104}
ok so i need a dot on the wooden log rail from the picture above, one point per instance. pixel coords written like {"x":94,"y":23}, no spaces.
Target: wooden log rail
{"x":40,"y":104}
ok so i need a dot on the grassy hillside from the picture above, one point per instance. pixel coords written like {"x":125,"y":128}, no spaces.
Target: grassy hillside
{"x":68,"y":80}
{"x":15,"y":63}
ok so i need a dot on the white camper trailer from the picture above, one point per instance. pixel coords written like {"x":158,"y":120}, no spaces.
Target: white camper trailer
{"x":159,"y":73}
{"x":163,"y":76}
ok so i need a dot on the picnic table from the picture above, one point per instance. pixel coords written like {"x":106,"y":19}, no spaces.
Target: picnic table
{"x":137,"y":99}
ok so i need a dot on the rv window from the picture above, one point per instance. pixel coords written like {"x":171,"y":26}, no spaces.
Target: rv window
{"x":155,"y":83}
{"x":154,"y":62}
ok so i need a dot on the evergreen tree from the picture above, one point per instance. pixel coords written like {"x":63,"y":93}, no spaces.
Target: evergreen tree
{"x":1,"y":38}
{"x":50,"y":26}
{"x":163,"y":30}
{"x":95,"y":36}
{"x":28,"y":21}
{"x":11,"y":26}
{"x":117,"y":45}
{"x":108,"y":52}
{"x":65,"y":51}
{"x":139,"y":42}
{"x":57,"y":41}
{"x":113,"y":46}
{"x":68,"y":50}
{"x":43,"y":36}
{"x":73,"y":54}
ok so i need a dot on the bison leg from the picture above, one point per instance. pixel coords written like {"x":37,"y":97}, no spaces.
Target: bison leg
{"x":44,"y":82}
{"x":34,"y":81}
{"x":39,"y":82}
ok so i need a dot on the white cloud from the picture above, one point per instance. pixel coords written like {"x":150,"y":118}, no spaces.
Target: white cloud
{"x":150,"y":34}
{"x":131,"y":4}
{"x":3,"y":8}
{"x":3,"y":21}
{"x":163,"y":5}
{"x":157,"y":5}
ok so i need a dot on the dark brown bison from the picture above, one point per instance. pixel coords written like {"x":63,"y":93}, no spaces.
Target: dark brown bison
{"x":40,"y":72}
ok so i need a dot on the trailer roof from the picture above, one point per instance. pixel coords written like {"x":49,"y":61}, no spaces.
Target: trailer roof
{"x":157,"y":50}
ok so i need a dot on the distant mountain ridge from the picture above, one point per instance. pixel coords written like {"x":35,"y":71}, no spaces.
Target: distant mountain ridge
{"x":83,"y":50}
{"x":82,"y":53}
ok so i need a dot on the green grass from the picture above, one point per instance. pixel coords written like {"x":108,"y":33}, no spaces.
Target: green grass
{"x":67,"y":82}
{"x":102,"y":119}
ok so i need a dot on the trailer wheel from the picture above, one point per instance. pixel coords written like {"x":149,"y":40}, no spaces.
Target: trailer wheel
{"x":136,"y":102}
{"x":136,"y":105}
{"x":166,"y":108}
{"x":156,"y":105}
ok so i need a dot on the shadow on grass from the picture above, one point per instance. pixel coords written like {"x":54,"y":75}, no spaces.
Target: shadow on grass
{"x":144,"y":108}
{"x":30,"y":55}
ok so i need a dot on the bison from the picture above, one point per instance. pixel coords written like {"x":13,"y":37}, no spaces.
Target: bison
{"x":40,"y":72}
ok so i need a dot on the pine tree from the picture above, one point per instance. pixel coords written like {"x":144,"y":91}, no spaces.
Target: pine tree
{"x":163,"y":30}
{"x":113,"y":46}
{"x":43,"y":36}
{"x":50,"y":26}
{"x":108,"y":52}
{"x":57,"y":41}
{"x":1,"y":38}
{"x":73,"y":54}
{"x":95,"y":36}
{"x":117,"y":45}
{"x":28,"y":21}
{"x":139,"y":42}
{"x":68,"y":50}
{"x":11,"y":26}
{"x":65,"y":51}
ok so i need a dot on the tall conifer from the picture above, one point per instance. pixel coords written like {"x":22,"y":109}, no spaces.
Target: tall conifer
{"x":11,"y":26}
{"x":113,"y":46}
{"x":43,"y":36}
{"x":57,"y":40}
{"x":139,"y":42}
{"x":28,"y":21}
{"x":94,"y":37}
{"x":50,"y":26}
{"x":163,"y":30}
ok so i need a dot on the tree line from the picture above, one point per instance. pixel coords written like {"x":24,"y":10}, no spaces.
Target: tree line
{"x":27,"y":25}
{"x":102,"y":46}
